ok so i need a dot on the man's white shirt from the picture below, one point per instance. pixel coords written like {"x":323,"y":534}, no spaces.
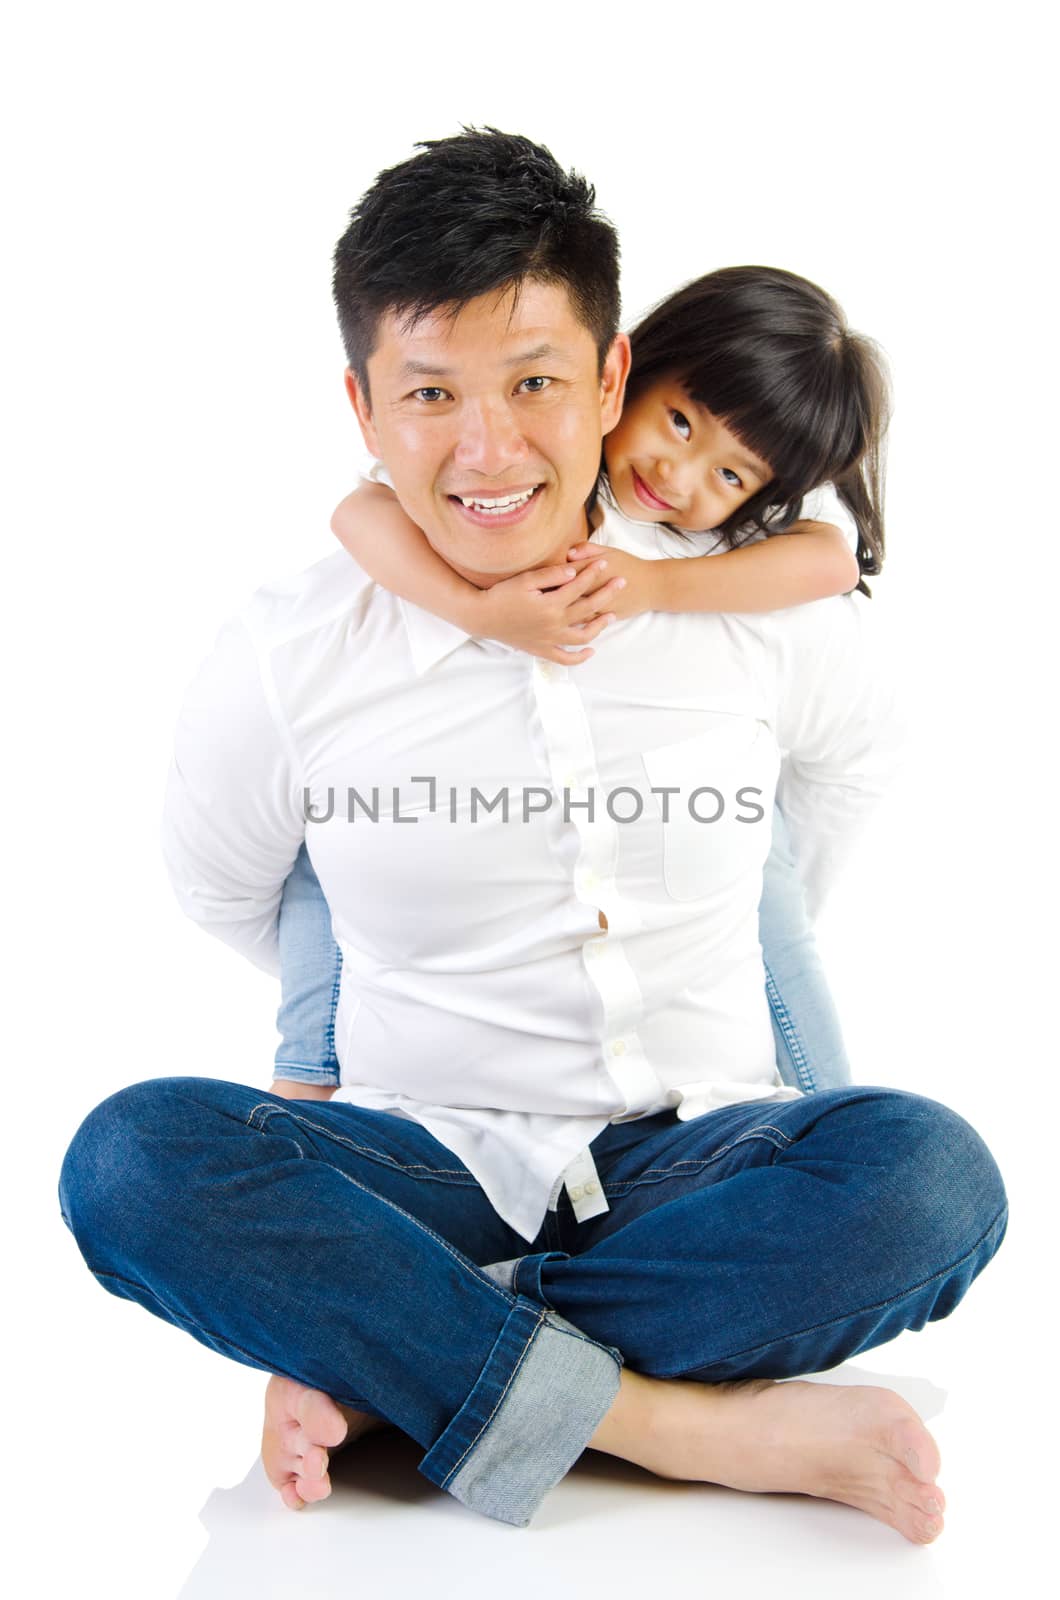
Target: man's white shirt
{"x":516,"y":982}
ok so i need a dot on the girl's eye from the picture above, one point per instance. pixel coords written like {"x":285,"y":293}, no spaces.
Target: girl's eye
{"x":429,"y":396}
{"x":539,"y":384}
{"x":682,"y":424}
{"x":733,"y":479}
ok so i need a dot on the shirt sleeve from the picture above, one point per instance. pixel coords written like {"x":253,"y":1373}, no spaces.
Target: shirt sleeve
{"x":824,"y":505}
{"x":232,"y":820}
{"x":841,"y":729}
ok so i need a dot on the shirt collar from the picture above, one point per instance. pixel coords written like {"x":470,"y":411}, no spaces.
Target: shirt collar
{"x":430,"y":637}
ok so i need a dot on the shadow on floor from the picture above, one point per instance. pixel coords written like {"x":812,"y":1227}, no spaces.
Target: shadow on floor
{"x":608,"y":1524}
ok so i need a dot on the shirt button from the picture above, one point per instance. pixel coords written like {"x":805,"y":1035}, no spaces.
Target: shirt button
{"x":577,"y":1192}
{"x":545,"y":668}
{"x":618,"y":1048}
{"x":589,"y":880}
{"x":592,"y":1188}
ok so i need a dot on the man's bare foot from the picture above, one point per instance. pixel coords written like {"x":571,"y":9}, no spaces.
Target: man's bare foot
{"x":302,"y":1427}
{"x":860,"y":1445}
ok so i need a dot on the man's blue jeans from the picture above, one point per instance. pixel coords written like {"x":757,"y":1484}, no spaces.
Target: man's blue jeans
{"x":340,"y":1246}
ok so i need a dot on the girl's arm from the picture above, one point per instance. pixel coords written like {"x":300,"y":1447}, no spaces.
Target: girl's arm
{"x":371,"y":525}
{"x":811,"y":561}
{"x":535,"y":611}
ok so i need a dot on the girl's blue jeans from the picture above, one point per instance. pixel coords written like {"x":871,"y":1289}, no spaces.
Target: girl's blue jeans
{"x":350,"y":1250}
{"x":806,"y":1031}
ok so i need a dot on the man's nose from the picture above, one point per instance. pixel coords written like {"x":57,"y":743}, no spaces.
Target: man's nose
{"x":490,"y":439}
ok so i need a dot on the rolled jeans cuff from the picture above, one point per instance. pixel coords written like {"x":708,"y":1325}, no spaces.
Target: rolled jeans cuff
{"x":295,"y":1072}
{"x":541,"y":1395}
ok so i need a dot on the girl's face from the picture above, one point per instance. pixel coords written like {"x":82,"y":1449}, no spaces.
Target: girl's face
{"x":671,"y":460}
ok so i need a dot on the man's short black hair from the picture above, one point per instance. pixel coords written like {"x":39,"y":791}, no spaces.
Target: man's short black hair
{"x":477,"y":212}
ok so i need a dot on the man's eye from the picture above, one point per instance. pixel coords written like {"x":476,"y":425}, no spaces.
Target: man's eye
{"x":732,"y":478}
{"x":430,"y":395}
{"x":682,"y":424}
{"x":537,"y":384}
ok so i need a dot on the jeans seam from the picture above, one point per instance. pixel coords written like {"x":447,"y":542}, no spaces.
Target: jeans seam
{"x":879,"y":1305}
{"x":572,"y":1332}
{"x":658,"y":1174}
{"x":790,"y":1032}
{"x":500,"y":1398}
{"x":469,"y":1267}
{"x":447,"y":1174}
{"x":329,"y":1036}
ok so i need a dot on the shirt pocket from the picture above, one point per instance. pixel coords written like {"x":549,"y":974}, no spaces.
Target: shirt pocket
{"x":716,"y":826}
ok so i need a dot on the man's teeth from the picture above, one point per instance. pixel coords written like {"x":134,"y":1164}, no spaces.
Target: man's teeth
{"x":508,"y":503}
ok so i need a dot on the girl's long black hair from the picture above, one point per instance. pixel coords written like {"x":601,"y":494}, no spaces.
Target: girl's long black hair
{"x":771,"y":356}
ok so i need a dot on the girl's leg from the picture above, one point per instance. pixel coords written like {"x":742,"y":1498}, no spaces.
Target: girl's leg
{"x":810,"y":1050}
{"x":310,"y":968}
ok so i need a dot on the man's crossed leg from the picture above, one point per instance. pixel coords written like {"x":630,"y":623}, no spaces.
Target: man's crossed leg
{"x":336,"y":1248}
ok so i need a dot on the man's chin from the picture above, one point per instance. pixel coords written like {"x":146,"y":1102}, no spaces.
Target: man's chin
{"x":494,"y":558}
{"x":488,"y":553}
{"x":484,"y":576}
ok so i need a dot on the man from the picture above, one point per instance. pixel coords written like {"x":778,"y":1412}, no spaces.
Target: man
{"x":550,"y":983}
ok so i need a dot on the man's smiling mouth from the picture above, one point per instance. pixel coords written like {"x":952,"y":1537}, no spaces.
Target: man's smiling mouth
{"x":516,"y":497}
{"x":495,"y":508}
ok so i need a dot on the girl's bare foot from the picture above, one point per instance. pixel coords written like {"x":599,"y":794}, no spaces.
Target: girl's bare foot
{"x":860,"y":1445}
{"x":302,"y":1426}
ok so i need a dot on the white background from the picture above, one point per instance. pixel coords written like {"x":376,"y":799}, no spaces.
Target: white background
{"x":177,"y":433}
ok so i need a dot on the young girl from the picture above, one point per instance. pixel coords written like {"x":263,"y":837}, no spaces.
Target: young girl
{"x":748,"y":400}
{"x":747,"y":392}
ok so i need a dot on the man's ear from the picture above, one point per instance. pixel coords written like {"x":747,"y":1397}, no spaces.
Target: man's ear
{"x":613,"y":381}
{"x":363,"y":412}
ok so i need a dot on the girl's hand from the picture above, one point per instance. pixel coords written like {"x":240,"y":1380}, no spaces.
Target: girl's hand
{"x":638,"y":593}
{"x":541,"y":610}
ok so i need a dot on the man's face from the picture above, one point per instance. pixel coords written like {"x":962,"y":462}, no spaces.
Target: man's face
{"x":490,"y":424}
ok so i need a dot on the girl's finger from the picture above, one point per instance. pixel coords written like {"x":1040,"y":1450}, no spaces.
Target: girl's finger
{"x":591,"y":605}
{"x":568,"y":658}
{"x":564,"y":658}
{"x":550,"y":577}
{"x":590,"y":577}
{"x":589,"y":630}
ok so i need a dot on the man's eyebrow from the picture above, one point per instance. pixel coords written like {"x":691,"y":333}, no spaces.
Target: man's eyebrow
{"x":423,"y":369}
{"x":427,"y":369}
{"x":541,"y":352}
